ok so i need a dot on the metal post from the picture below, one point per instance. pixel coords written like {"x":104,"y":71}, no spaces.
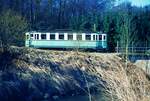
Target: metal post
{"x":117,"y":47}
{"x":0,"y":44}
{"x":146,"y":46}
{"x":132,"y":48}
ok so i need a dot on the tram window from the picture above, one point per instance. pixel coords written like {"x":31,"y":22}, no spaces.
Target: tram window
{"x":70,"y":37}
{"x":88,"y":37}
{"x":94,"y":37}
{"x":61,"y":36}
{"x":37,"y":36}
{"x":43,"y":36}
{"x":79,"y":37}
{"x":100,"y":37}
{"x":104,"y":37}
{"x":52,"y":36}
{"x":27,"y":37}
{"x":31,"y":35}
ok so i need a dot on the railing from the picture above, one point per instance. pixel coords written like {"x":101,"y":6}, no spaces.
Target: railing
{"x":133,"y":50}
{"x":135,"y":53}
{"x":138,"y":48}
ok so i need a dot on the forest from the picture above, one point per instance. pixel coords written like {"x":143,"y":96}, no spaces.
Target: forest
{"x":123,"y":23}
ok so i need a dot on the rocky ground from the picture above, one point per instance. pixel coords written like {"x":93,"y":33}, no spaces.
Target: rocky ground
{"x":43,"y":75}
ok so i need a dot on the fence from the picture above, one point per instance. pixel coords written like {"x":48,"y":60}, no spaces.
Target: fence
{"x":141,"y":48}
{"x":133,"y":50}
{"x":140,"y":51}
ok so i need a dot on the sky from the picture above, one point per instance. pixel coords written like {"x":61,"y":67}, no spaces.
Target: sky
{"x":139,"y":3}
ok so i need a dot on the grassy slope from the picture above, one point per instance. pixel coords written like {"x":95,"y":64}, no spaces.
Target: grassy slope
{"x":31,"y":74}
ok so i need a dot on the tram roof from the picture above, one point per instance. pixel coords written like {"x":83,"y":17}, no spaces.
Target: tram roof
{"x":66,"y":31}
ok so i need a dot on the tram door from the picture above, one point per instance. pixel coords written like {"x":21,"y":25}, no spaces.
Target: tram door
{"x":27,"y":40}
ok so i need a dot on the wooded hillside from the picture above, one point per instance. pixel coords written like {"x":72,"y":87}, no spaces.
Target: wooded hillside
{"x":121,"y":22}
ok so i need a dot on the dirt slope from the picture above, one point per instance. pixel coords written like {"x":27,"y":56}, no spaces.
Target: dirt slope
{"x":31,"y":74}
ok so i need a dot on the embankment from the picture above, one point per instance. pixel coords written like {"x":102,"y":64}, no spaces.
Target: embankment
{"x":35,"y":75}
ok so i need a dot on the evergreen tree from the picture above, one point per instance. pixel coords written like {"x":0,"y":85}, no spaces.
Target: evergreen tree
{"x":12,"y":28}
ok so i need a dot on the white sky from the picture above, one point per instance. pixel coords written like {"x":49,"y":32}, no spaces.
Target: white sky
{"x":136,"y":2}
{"x":140,"y":2}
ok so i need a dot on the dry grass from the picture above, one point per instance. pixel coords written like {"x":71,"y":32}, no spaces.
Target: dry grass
{"x":126,"y":84}
{"x":123,"y":84}
{"x":56,"y":69}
